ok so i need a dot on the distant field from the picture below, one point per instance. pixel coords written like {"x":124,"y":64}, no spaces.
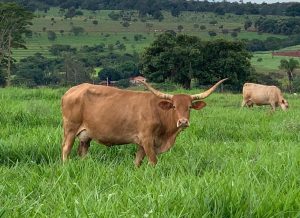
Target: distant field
{"x":268,"y":63}
{"x":41,"y":43}
{"x":95,"y":34}
{"x":230,"y":162}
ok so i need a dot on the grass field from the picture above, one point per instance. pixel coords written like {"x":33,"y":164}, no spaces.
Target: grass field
{"x":95,"y":34}
{"x":269,"y":63}
{"x":230,"y":162}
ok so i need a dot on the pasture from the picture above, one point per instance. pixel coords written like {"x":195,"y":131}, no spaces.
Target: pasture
{"x":230,"y":162}
{"x":109,"y":31}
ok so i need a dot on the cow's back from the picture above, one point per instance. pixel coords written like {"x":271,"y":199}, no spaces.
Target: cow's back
{"x":74,"y":101}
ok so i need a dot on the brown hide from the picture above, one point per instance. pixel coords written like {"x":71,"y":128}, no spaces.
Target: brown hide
{"x":113,"y":116}
{"x":263,"y":95}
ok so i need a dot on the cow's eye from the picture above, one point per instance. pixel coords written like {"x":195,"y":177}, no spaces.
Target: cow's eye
{"x":173,"y":107}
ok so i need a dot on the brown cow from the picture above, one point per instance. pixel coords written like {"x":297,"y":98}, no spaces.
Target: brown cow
{"x":113,"y":116}
{"x":263,"y":95}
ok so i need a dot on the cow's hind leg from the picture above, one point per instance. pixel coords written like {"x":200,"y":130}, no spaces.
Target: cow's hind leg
{"x":140,"y":154}
{"x":83,"y":148}
{"x":243,"y":103}
{"x":84,"y":143}
{"x":67,"y":144}
{"x":70,"y":130}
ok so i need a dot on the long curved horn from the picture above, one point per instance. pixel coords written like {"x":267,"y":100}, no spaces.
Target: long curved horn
{"x":207,"y":92}
{"x":156,"y":92}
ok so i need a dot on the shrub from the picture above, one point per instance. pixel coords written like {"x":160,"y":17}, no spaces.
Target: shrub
{"x":51,"y":35}
{"x":125,"y":24}
{"x":212,"y":33}
{"x":77,"y":30}
{"x":123,"y":83}
{"x":234,"y":34}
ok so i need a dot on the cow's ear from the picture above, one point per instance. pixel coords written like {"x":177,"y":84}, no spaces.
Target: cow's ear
{"x":165,"y":105}
{"x":198,"y":105}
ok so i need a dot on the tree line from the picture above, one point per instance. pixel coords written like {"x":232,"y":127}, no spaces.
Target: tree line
{"x":271,"y":43}
{"x":278,"y":26}
{"x":153,"y":7}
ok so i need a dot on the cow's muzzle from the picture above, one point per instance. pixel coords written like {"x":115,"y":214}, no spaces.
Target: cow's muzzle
{"x":183,"y":122}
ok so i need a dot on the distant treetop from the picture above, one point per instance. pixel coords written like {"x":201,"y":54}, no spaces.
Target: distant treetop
{"x":153,"y":7}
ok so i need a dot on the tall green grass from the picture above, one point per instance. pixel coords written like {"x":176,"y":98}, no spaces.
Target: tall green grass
{"x":230,"y":162}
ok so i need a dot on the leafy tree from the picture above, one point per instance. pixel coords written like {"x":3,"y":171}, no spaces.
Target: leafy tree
{"x":149,"y":26}
{"x":72,"y":12}
{"x":123,"y":83}
{"x":125,"y":24}
{"x":128,"y":69}
{"x":76,"y":30}
{"x":175,"y":11}
{"x":289,"y":65}
{"x":293,"y":10}
{"x":172,"y":57}
{"x":37,"y":70}
{"x":223,"y":59}
{"x":202,"y":27}
{"x":138,"y":37}
{"x":180,"y":28}
{"x":2,"y":77}
{"x":225,"y":31}
{"x":220,"y":11}
{"x":114,"y":16}
{"x":109,"y":73}
{"x":248,"y":24}
{"x":234,"y":34}
{"x":212,"y":33}
{"x":158,"y":15}
{"x":75,"y":71}
{"x":14,"y":24}
{"x":51,"y":35}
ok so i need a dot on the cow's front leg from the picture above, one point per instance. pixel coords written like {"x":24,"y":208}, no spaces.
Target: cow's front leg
{"x":149,"y":149}
{"x":273,"y":106}
{"x":140,"y":154}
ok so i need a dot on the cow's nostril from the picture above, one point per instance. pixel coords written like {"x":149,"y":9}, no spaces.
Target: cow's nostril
{"x":183,"y":123}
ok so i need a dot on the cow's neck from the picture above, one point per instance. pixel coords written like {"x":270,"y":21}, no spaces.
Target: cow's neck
{"x":171,"y":127}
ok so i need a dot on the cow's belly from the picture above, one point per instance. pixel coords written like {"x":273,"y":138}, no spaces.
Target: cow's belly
{"x":260,"y":100}
{"x":107,"y":137}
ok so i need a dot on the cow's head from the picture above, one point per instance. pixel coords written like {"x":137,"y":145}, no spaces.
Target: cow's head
{"x":181,"y":104}
{"x":284,"y":104}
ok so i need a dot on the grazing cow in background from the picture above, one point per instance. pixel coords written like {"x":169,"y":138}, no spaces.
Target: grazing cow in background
{"x":263,"y":95}
{"x":112,"y":116}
